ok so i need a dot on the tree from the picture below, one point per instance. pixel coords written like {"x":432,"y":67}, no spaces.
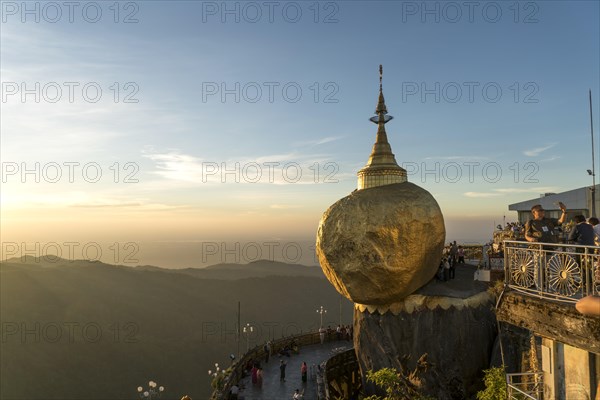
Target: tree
{"x":495,"y":385}
{"x":400,"y":385}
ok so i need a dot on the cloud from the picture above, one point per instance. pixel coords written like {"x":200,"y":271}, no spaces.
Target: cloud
{"x":457,"y":158}
{"x":550,"y":159}
{"x":173,"y":165}
{"x":281,"y":169}
{"x":505,"y":191}
{"x":547,"y":189}
{"x":103,"y":205}
{"x":480,"y":194}
{"x":317,"y":142}
{"x":536,"y":152}
{"x":284,"y":206}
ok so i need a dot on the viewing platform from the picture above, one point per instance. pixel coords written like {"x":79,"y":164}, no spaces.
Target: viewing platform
{"x":273,"y":388}
{"x":553,"y":350}
{"x":310,"y":351}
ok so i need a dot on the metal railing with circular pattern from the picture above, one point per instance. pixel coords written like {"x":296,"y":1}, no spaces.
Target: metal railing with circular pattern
{"x":561,"y":272}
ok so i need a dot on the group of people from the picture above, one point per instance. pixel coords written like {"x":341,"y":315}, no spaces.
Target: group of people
{"x":254,"y":369}
{"x":543,"y":229}
{"x":453,"y":254}
{"x":303,"y":372}
{"x":342,"y":332}
{"x":585,"y":233}
{"x":257,"y":375}
{"x":512,"y":230}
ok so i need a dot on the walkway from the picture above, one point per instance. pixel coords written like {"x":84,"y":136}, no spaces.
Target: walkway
{"x":462,"y":286}
{"x":273,"y":389}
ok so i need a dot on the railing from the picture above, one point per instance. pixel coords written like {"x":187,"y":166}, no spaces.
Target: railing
{"x":473,"y":252}
{"x":527,"y":385}
{"x":341,"y":377}
{"x":559,"y":272}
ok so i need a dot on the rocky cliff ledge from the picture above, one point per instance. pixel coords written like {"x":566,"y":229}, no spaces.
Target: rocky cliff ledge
{"x":453,"y":322}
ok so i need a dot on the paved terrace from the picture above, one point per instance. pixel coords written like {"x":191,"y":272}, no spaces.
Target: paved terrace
{"x":462,"y":286}
{"x":273,"y":389}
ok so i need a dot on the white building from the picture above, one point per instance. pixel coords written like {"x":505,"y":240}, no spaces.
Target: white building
{"x":578,"y":201}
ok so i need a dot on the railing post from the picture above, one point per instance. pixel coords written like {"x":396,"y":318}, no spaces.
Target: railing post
{"x":507,"y":256}
{"x":541,"y":268}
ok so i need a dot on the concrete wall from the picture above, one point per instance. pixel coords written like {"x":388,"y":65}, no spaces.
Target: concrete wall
{"x":569,"y":373}
{"x":577,"y":373}
{"x":548,"y":355}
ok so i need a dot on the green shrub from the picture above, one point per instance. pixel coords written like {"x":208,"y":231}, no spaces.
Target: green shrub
{"x":495,"y":385}
{"x":400,"y":385}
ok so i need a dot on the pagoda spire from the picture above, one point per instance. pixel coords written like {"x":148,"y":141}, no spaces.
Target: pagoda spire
{"x":382,"y":168}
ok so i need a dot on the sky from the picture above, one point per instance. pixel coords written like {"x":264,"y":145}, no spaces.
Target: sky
{"x":186,"y":133}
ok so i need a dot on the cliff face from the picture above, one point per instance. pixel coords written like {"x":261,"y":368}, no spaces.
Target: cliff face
{"x":457,"y":334}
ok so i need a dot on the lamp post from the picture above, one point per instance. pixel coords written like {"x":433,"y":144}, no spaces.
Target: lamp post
{"x":217,"y":376}
{"x":216,"y":372}
{"x":593,"y":171}
{"x":322,"y":311}
{"x":152,"y":393}
{"x":248,"y":329}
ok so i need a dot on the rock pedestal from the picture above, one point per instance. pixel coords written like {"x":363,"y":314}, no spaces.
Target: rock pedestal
{"x":457,"y":334}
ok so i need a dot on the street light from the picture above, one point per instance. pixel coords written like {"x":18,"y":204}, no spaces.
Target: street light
{"x":248,"y":329}
{"x":216,"y":372}
{"x":322,"y":311}
{"x":152,"y":392}
{"x":217,"y":376}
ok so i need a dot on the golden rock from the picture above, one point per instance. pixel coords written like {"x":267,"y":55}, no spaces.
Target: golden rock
{"x":379,"y":245}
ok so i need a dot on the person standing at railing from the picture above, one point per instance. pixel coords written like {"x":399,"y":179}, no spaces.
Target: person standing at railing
{"x":583,"y":233}
{"x":453,"y":253}
{"x":460,"y":253}
{"x":540,"y":228}
{"x":595,"y":223}
{"x":322,"y":334}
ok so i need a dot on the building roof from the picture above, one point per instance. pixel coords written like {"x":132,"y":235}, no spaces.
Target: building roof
{"x":575,"y":199}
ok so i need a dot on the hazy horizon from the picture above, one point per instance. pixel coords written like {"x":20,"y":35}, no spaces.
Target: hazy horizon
{"x":202,"y":253}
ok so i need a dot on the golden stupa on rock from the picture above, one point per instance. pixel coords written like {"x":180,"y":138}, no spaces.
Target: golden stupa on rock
{"x":383,"y":241}
{"x":382,"y":168}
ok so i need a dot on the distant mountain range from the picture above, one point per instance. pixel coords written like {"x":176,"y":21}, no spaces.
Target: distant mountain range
{"x":89,"y":330}
{"x":255,"y":269}
{"x":259,"y":268}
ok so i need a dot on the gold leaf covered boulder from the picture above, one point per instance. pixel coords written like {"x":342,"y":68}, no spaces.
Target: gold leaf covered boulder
{"x":378,"y":245}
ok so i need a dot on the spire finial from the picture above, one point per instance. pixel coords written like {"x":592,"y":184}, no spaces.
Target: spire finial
{"x":381,"y":109}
